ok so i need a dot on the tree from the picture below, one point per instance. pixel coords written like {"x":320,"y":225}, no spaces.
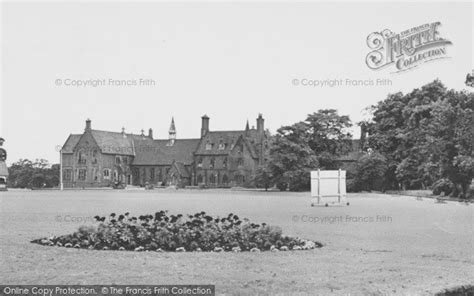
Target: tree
{"x":328,"y":136}
{"x":304,"y":146}
{"x":370,"y":172}
{"x":28,"y":174}
{"x":263,"y":178}
{"x":291,"y":159}
{"x":425,"y":135}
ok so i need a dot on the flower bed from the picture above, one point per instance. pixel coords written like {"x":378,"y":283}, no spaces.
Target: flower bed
{"x":177,"y":233}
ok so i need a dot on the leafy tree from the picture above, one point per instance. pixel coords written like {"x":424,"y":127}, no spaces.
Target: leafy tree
{"x":263,"y":178}
{"x":328,"y":136}
{"x":291,"y":159}
{"x":304,"y":146}
{"x":370,"y":172}
{"x":33,"y":174}
{"x":425,"y":135}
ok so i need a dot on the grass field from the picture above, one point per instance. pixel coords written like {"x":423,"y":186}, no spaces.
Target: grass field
{"x":379,"y":245}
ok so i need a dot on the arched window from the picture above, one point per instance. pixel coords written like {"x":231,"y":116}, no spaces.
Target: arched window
{"x":212,"y":163}
{"x":221,"y":145}
{"x":208,"y":145}
{"x":212,"y":179}
{"x":82,"y":158}
{"x":199,"y":162}
{"x":224,"y":163}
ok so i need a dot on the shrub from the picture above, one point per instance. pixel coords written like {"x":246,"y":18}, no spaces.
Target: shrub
{"x":443,"y":186}
{"x":163,"y":232}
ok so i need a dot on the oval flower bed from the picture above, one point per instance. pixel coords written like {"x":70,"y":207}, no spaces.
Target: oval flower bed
{"x":177,"y":233}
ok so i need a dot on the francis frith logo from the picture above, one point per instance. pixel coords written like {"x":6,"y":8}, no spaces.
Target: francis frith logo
{"x":407,"y":49}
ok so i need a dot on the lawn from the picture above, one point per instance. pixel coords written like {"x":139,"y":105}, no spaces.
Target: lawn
{"x":379,"y":245}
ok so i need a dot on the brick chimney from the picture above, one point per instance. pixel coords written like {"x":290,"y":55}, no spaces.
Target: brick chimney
{"x":88,"y":125}
{"x":150,"y":133}
{"x":204,"y":125}
{"x":260,"y":124}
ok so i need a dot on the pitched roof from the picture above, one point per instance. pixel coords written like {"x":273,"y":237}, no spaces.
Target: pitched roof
{"x":115,"y":143}
{"x":71,"y":142}
{"x":108,"y":142}
{"x":181,"y":169}
{"x":228,"y":139}
{"x":158,"y":152}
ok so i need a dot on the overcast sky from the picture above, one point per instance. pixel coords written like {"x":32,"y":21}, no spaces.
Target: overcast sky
{"x":227,"y":60}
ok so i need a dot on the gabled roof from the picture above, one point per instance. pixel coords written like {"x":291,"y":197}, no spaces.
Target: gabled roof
{"x":115,"y":143}
{"x":181,"y":169}
{"x":159,"y":152}
{"x":228,"y":138}
{"x":71,"y":142}
{"x":108,"y":142}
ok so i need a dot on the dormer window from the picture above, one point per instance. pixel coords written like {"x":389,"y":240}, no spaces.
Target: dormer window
{"x":208,"y":146}
{"x":221,"y":146}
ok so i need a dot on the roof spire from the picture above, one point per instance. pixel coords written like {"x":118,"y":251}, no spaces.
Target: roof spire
{"x":247,"y":125}
{"x":172,"y":133}
{"x":172,"y":126}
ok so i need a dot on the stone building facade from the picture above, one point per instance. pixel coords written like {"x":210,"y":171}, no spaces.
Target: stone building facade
{"x":216,"y":159}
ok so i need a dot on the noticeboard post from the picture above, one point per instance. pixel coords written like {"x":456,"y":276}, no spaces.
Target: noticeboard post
{"x":328,"y":188}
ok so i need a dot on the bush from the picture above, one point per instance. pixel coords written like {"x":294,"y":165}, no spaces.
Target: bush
{"x":443,"y":186}
{"x":351,"y":185}
{"x":160,"y":232}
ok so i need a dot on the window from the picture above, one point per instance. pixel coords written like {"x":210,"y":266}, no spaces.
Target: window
{"x":115,"y":175}
{"x":225,"y":179}
{"x":106,"y":174}
{"x":160,"y":175}
{"x":125,"y":160}
{"x":117,"y":159}
{"x":212,"y":179}
{"x":82,"y":158}
{"x":199,"y":162}
{"x":67,"y":176}
{"x":208,"y":145}
{"x":240,"y":162}
{"x":94,"y":156}
{"x":82,"y":174}
{"x":212,"y":163}
{"x":224,"y":163}
{"x":152,"y":174}
{"x":221,"y":146}
{"x":240,"y":148}
{"x":199,"y":179}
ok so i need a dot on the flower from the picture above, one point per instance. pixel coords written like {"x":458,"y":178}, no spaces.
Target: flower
{"x":198,"y":232}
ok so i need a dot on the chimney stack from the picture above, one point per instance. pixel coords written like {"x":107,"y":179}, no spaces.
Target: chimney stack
{"x":88,"y":125}
{"x":150,"y":133}
{"x":260,"y":124}
{"x":204,"y":125}
{"x":123,"y":132}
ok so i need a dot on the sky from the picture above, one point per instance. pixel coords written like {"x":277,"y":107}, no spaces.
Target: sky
{"x":230,"y":61}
